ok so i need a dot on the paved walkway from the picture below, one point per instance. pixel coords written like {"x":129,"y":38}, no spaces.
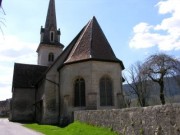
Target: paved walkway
{"x":10,"y":128}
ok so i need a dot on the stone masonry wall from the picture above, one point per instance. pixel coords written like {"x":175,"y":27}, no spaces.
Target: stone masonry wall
{"x":153,"y":120}
{"x":91,"y":72}
{"x":22,"y":104}
{"x":4,"y":108}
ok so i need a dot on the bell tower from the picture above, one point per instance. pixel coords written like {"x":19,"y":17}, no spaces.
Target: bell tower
{"x":50,"y":47}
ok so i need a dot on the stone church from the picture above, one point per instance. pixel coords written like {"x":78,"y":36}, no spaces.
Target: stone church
{"x":86,"y":75}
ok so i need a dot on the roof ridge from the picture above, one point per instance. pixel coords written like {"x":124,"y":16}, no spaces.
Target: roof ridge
{"x":77,"y":43}
{"x":91,"y":38}
{"x":28,"y":64}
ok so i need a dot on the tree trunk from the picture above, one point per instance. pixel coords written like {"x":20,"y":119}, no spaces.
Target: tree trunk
{"x":140,"y":101}
{"x":143,"y":102}
{"x":162,"y":98}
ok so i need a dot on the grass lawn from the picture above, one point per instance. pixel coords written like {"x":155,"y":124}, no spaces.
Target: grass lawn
{"x":76,"y":128}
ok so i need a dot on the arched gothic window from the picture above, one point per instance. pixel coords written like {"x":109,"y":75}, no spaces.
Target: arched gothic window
{"x":79,"y":93}
{"x":106,"y":92}
{"x":51,"y":57}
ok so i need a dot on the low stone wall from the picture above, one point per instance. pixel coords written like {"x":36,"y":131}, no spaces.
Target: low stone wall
{"x":4,"y":108}
{"x":153,"y":120}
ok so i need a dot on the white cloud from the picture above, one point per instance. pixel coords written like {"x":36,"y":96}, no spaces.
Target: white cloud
{"x":12,"y":49}
{"x":5,"y":93}
{"x":166,"y":35}
{"x":142,"y":28}
{"x":5,"y":81}
{"x":12,"y":42}
{"x":169,"y":6}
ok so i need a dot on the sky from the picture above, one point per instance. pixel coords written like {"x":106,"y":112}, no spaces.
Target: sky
{"x":135,"y":29}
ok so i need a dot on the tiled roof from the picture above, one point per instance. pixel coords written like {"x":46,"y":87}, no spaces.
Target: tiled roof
{"x":63,"y":56}
{"x":25,"y":76}
{"x":92,"y":44}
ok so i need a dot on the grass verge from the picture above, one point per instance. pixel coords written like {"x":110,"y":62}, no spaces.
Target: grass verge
{"x":76,"y":128}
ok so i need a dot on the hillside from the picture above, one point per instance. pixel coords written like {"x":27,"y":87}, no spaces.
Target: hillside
{"x":172,"y":91}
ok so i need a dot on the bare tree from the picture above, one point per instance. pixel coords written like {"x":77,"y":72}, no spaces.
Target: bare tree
{"x":2,"y":19}
{"x":2,"y":22}
{"x":159,"y":66}
{"x":127,"y":101}
{"x":138,"y":84}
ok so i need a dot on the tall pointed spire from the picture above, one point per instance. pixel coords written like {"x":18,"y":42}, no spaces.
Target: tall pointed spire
{"x":49,"y":34}
{"x":51,"y":16}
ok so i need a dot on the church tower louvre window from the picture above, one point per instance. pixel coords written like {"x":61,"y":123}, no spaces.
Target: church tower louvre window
{"x":52,"y":36}
{"x":51,"y":57}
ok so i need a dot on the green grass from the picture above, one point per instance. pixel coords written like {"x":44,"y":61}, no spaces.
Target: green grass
{"x":76,"y":128}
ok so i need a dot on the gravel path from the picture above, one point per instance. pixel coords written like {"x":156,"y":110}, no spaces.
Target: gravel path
{"x":11,"y":128}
